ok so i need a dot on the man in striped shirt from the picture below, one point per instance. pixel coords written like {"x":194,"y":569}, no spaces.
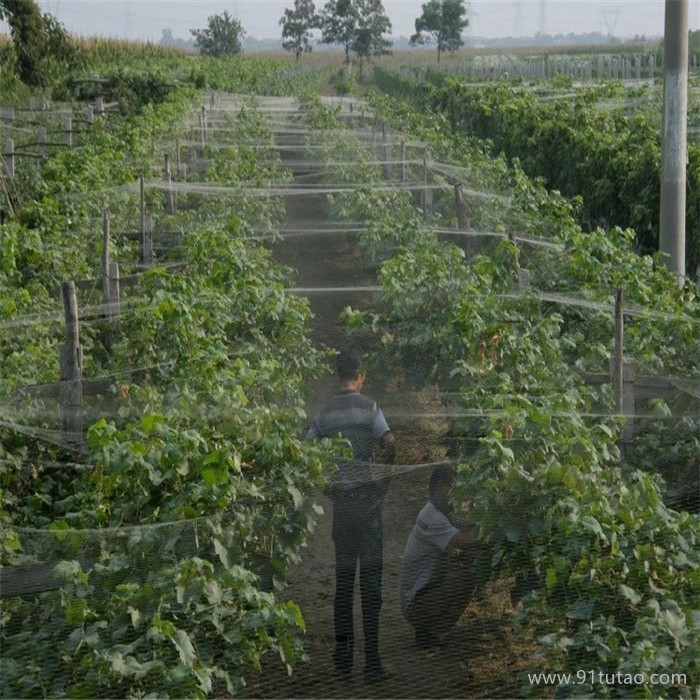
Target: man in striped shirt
{"x":357,"y":492}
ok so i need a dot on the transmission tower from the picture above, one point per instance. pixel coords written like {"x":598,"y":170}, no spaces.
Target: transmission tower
{"x":610,"y":18}
{"x":519,"y":19}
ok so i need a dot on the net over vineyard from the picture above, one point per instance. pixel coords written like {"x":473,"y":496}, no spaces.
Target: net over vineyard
{"x":170,"y":483}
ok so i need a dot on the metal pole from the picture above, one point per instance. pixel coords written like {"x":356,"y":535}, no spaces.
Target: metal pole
{"x":674,"y":152}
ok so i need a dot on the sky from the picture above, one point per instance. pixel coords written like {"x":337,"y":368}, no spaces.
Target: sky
{"x":145,"y":19}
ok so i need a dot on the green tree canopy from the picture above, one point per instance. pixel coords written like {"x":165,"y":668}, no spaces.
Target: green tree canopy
{"x":357,"y":26}
{"x":221,"y":37}
{"x":372,"y":24}
{"x":298,"y":25}
{"x":28,"y":38}
{"x":338,"y":20}
{"x":442,"y":22}
{"x":36,"y":38}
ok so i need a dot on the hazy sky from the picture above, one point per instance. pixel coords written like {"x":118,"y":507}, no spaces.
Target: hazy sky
{"x":145,"y":19}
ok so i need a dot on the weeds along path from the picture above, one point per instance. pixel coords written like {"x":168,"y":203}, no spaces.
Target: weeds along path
{"x":483,"y":656}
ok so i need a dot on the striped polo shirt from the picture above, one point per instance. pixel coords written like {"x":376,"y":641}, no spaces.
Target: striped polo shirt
{"x":360,"y":421}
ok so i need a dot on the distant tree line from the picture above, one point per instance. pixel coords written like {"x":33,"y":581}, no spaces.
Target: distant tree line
{"x":360,"y":27}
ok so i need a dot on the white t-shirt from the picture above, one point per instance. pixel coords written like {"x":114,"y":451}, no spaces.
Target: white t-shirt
{"x":430,"y":537}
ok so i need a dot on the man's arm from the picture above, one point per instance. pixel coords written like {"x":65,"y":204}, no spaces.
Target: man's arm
{"x":388,"y":445}
{"x":468,"y":538}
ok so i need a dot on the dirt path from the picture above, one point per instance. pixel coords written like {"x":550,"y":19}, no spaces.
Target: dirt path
{"x":483,"y":656}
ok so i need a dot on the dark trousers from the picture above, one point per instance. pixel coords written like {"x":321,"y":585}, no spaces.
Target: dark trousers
{"x":437,"y":607}
{"x":357,"y":533}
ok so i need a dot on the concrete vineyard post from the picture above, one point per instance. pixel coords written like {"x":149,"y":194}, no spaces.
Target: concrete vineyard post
{"x":674,"y":149}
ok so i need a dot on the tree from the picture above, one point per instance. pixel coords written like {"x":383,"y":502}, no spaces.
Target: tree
{"x":358,"y":26}
{"x":372,"y":24}
{"x":297,"y":25}
{"x":221,"y":37}
{"x":442,"y":22}
{"x":36,"y":37}
{"x":338,"y":21}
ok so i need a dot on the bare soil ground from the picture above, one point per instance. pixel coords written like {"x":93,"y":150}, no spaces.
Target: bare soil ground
{"x":485,"y":654}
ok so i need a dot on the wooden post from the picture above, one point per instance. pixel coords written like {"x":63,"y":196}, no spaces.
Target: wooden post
{"x":142,"y":207}
{"x":427,"y":194}
{"x":68,"y":129}
{"x":520,"y":281}
{"x":90,"y":116}
{"x":104,"y":267}
{"x":202,"y":137}
{"x":42,"y":141}
{"x":521,"y":276}
{"x":110,"y":280}
{"x":616,"y":375}
{"x":9,"y":158}
{"x":147,"y":257}
{"x":403,"y":161}
{"x":204,"y":125}
{"x":146,"y":230}
{"x":178,"y":160}
{"x":114,"y":290}
{"x":71,"y":391}
{"x":461,"y":208}
{"x":386,"y":150}
{"x":628,"y":400}
{"x":169,"y":197}
{"x":100,"y":106}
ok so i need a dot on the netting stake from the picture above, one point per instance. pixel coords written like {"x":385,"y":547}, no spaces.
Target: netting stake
{"x":427,"y":194}
{"x":71,"y":391}
{"x":461,"y":208}
{"x":42,"y":141}
{"x":616,"y":370}
{"x":169,"y":195}
{"x":622,"y":375}
{"x":386,"y":154}
{"x":403,"y":161}
{"x":68,"y":129}
{"x":146,"y":252}
{"x":9,"y":158}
